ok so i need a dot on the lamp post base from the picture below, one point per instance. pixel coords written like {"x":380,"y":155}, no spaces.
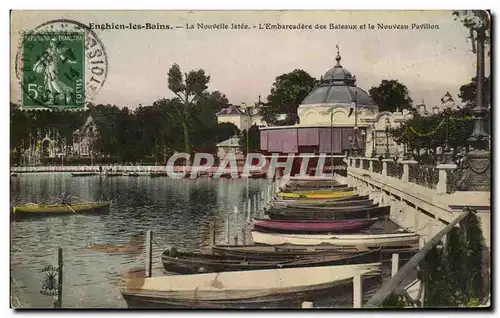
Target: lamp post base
{"x":475,"y":171}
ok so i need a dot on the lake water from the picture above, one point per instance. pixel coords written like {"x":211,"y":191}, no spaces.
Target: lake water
{"x":177,"y":211}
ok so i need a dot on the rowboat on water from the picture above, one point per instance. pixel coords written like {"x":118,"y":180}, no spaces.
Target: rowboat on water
{"x":320,"y":201}
{"x":193,"y":263}
{"x":330,"y":195}
{"x":340,"y":203}
{"x":319,"y":191}
{"x":312,"y":226}
{"x":344,"y":208}
{"x":114,"y":174}
{"x":36,"y":210}
{"x":313,"y":186}
{"x":285,"y":251}
{"x":133,"y":174}
{"x":269,"y":288}
{"x":158,"y":174}
{"x":342,"y":213}
{"x":380,"y":240}
{"x":84,"y":174}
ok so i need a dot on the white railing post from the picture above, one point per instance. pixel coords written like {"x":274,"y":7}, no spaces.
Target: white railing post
{"x":395,"y":264}
{"x":442,"y":185}
{"x":357,"y":291}
{"x":384,"y":166}
{"x":370,"y":165}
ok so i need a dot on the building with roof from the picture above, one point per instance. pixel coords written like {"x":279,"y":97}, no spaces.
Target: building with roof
{"x":336,"y":117}
{"x":241,"y":117}
{"x":84,"y":138}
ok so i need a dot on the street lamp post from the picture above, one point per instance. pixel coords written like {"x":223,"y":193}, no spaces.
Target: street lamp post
{"x":475,"y":168}
{"x":387,"y":128}
{"x":363,"y":139}
{"x":373,"y":141}
{"x":448,"y":105}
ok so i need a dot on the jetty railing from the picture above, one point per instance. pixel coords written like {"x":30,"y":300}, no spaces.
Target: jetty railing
{"x":443,"y":178}
{"x":390,"y":287}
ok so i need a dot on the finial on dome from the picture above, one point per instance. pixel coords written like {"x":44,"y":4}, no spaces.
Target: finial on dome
{"x":338,"y":58}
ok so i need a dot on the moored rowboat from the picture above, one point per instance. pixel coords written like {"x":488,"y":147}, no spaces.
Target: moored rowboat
{"x":319,"y":191}
{"x":341,"y":213}
{"x":327,"y":195}
{"x":323,"y":226}
{"x":396,"y":239}
{"x":34,"y":210}
{"x":158,"y":174}
{"x":288,"y":251}
{"x":84,"y":174}
{"x":193,"y":263}
{"x":319,"y":201}
{"x":340,"y":203}
{"x":285,"y":251}
{"x":284,"y":287}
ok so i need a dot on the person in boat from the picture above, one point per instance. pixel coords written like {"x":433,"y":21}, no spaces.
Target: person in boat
{"x":65,"y":198}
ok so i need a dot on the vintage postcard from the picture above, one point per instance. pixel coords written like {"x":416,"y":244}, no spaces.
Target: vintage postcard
{"x":250,"y":159}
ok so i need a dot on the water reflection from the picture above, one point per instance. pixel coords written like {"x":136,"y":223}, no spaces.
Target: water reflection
{"x":177,"y":211}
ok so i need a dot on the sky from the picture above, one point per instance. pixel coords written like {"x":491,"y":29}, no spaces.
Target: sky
{"x":243,"y":64}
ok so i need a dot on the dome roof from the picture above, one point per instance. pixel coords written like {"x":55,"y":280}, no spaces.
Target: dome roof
{"x":338,"y":86}
{"x":327,"y":94}
{"x":338,"y":75}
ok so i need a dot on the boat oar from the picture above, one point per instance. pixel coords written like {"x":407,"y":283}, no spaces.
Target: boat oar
{"x":71,"y":209}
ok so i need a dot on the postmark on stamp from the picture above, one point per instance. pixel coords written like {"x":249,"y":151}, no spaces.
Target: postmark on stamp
{"x":61,"y":64}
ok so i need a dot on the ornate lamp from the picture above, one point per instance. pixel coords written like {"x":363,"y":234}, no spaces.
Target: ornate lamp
{"x":387,"y":129}
{"x":475,"y":168}
{"x":448,"y":105}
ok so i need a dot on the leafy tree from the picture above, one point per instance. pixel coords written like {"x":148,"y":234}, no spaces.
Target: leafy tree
{"x":224,"y":131}
{"x":287,"y":93}
{"x":468,"y":93}
{"x":430,"y":132}
{"x":253,"y":140}
{"x":188,"y":88}
{"x":391,"y":95}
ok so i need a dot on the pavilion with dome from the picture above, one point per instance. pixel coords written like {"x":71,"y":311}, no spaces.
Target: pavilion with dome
{"x":336,"y":117}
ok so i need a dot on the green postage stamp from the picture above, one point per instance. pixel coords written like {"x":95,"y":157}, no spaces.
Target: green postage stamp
{"x":53,"y":70}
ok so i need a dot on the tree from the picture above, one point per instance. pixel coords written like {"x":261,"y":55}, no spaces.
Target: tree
{"x":391,"y":95}
{"x":287,"y":93}
{"x":188,"y":88}
{"x":224,"y":131}
{"x":468,"y":92}
{"x":430,"y":132}
{"x":253,"y":140}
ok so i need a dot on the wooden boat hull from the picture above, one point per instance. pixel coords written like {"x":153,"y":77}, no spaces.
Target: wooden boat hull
{"x":114,"y":174}
{"x":35,"y":210}
{"x":330,"y":226}
{"x":158,"y":174}
{"x":288,"y":251}
{"x":320,"y":201}
{"x":84,"y":174}
{"x":346,"y":214}
{"x":331,"y":195}
{"x":193,"y":263}
{"x":372,"y":240}
{"x":318,"y":191}
{"x":242,"y":289}
{"x":313,"y":186}
{"x":341,"y":203}
{"x":279,"y":252}
{"x":313,"y":209}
